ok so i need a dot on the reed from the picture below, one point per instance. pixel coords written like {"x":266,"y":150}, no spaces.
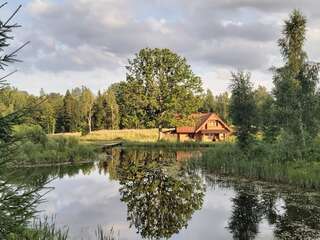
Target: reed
{"x":55,"y":151}
{"x":267,"y":162}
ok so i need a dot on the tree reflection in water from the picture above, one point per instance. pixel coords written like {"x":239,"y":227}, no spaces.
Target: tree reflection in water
{"x":246,"y":215}
{"x":297,"y":217}
{"x":161,"y":196}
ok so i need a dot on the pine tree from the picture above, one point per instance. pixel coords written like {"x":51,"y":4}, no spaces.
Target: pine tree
{"x":17,"y":201}
{"x":67,"y":116}
{"x":242,"y":108}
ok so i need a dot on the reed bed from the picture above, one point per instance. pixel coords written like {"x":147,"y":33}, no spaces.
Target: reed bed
{"x":263,"y":162}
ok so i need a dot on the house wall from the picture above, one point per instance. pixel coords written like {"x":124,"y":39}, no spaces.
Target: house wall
{"x":183,"y":137}
{"x":213,"y":124}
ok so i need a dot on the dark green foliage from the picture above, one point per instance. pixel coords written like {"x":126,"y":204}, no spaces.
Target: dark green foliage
{"x":99,"y":114}
{"x":218,"y":104}
{"x":68,"y":117}
{"x":127,"y":118}
{"x":266,"y":117}
{"x":243,"y":109}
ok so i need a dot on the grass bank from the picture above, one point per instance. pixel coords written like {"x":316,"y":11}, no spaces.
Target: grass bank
{"x":35,"y":148}
{"x":61,"y":150}
{"x":267,"y":162}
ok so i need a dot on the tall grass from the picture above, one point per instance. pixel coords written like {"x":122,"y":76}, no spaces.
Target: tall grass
{"x":36,"y":148}
{"x":102,"y":235}
{"x":268,"y":162}
{"x":54,"y":151}
{"x":47,"y":230}
{"x":143,"y":135}
{"x":41,"y":229}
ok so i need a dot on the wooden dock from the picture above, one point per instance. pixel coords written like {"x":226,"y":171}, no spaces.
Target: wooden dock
{"x":111,"y":144}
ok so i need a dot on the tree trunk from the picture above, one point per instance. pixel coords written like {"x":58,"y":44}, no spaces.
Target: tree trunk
{"x":89,"y":123}
{"x":301,"y":127}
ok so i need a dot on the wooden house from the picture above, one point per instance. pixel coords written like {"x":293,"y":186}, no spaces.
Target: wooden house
{"x":203,"y":127}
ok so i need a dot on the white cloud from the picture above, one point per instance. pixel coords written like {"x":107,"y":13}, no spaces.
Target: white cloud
{"x":75,"y":39}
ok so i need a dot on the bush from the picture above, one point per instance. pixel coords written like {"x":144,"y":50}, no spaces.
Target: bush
{"x":33,"y":133}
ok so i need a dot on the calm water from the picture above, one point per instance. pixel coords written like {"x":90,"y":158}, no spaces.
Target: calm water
{"x":156,"y":195}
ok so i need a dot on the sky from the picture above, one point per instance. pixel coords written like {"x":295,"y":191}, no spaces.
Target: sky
{"x":89,"y":42}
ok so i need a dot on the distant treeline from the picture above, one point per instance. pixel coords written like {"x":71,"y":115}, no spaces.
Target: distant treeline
{"x":80,"y":107}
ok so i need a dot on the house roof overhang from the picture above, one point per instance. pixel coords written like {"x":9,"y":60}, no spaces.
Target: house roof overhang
{"x":214,"y":131}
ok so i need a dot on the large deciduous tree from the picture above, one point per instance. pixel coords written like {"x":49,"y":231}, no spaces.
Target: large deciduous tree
{"x":160,"y":85}
{"x":296,"y":82}
{"x":243,"y":108}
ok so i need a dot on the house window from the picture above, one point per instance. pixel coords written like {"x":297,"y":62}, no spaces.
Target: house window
{"x":211,"y":124}
{"x":217,"y":123}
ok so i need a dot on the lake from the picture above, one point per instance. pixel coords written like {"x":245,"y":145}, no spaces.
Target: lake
{"x":158,"y":194}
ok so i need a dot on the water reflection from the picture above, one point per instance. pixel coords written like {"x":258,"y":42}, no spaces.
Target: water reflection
{"x":246,"y":215}
{"x":161,"y":197}
{"x":291,"y":214}
{"x":155,"y":194}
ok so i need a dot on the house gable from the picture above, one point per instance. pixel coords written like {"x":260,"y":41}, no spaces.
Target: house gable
{"x":213,"y":122}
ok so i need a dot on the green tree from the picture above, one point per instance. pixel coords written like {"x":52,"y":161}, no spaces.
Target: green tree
{"x":267,"y":117}
{"x":160,"y":85}
{"x":46,"y":117}
{"x":242,"y":108}
{"x":222,"y":102}
{"x":86,"y":105}
{"x":17,"y":202}
{"x":67,"y":116}
{"x":295,"y":83}
{"x":209,"y":104}
{"x":111,"y":110}
{"x":99,"y":114}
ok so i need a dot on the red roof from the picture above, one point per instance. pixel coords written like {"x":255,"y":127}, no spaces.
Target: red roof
{"x":198,"y":120}
{"x":185,"y":130}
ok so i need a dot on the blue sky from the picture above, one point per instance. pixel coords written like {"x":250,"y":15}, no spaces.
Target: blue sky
{"x":86,"y":42}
